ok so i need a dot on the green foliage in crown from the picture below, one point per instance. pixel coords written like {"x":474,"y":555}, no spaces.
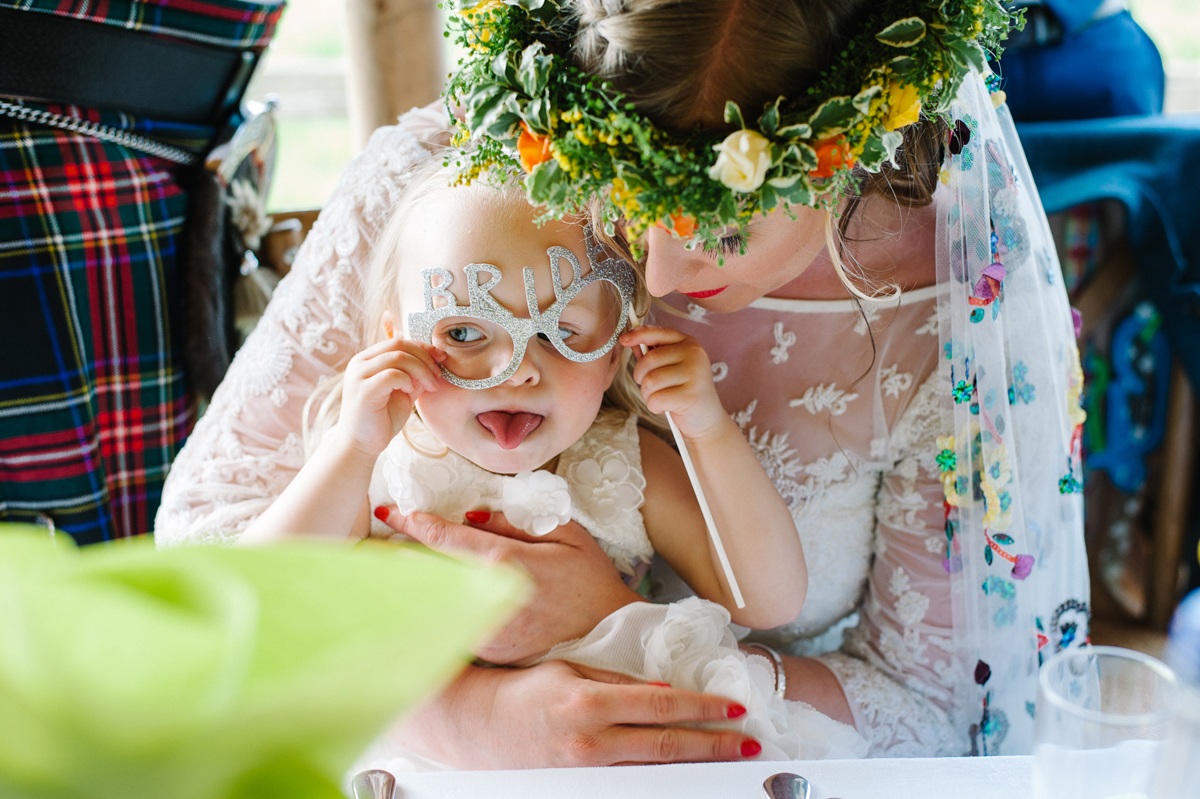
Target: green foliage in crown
{"x":526,"y":104}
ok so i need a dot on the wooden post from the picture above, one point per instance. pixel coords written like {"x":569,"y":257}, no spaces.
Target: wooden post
{"x":396,"y":61}
{"x":1174,"y":497}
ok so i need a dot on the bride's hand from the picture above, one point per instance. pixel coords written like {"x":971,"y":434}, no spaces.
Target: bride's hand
{"x":575,"y":583}
{"x":563,"y":715}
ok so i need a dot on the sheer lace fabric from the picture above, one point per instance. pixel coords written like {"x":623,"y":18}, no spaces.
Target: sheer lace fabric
{"x":247,"y":447}
{"x":840,"y":406}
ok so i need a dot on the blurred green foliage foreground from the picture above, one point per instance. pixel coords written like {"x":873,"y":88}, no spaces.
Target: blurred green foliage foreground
{"x":205,"y":673}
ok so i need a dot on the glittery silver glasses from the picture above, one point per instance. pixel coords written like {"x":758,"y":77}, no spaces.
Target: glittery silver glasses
{"x":485,"y":343}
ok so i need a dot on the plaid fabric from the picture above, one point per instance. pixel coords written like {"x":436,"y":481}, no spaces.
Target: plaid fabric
{"x":92,"y":400}
{"x":224,"y":23}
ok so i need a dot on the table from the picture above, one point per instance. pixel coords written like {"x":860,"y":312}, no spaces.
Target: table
{"x":915,"y":778}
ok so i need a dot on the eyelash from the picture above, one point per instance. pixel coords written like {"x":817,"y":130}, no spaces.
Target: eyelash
{"x":727,"y":246}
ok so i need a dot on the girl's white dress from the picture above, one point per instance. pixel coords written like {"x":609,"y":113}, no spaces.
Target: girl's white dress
{"x":599,"y":483}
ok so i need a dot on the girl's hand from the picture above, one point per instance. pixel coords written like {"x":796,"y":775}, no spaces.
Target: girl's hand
{"x":381,"y":384}
{"x":676,"y":377}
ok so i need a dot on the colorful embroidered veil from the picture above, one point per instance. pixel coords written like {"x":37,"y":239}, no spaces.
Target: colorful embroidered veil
{"x":1010,"y":458}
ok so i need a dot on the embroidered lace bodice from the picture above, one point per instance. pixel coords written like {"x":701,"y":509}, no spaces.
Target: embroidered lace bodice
{"x":847,"y":435}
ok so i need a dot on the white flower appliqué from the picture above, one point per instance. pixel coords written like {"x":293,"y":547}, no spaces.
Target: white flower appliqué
{"x":893,"y":381}
{"x":720,"y":371}
{"x":537,"y":502}
{"x":930,"y":328}
{"x":818,"y":398}
{"x":605,"y":485}
{"x":695,"y":312}
{"x":868,"y":317}
{"x":779,"y":353}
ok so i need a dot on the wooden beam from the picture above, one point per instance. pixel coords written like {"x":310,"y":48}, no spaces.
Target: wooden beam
{"x":396,"y":61}
{"x":1174,"y":495}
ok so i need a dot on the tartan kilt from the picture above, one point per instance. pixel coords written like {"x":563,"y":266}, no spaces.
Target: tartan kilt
{"x":93,"y":405}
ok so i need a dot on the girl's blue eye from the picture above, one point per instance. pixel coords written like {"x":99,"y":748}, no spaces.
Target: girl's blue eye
{"x":563,"y":334}
{"x":464,"y":334}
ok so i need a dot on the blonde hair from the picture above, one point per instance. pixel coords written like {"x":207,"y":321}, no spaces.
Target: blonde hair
{"x":388,"y":270}
{"x":679,"y":61}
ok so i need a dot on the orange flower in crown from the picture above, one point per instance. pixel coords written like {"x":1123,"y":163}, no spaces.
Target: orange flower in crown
{"x":534,"y":149}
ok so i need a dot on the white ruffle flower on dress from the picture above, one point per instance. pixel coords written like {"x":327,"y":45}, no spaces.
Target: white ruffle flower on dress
{"x":537,"y":502}
{"x":605,"y":485}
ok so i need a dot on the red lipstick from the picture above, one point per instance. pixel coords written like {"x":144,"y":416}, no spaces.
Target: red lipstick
{"x":700,"y":295}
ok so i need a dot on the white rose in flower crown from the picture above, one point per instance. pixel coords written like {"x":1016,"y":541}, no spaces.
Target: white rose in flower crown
{"x":743,"y":160}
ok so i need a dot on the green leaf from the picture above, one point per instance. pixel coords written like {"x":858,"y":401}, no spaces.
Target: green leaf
{"x":537,"y":115}
{"x":769,"y":120}
{"x":503,"y":123}
{"x":903,"y":63}
{"x":873,"y":154}
{"x":800,"y":130}
{"x":967,"y":55}
{"x":534,"y":72}
{"x":798,"y":193}
{"x":891,"y":143}
{"x":987,"y":554}
{"x":482,"y":102}
{"x":862,"y":100}
{"x":733,"y":114}
{"x":832,"y":117}
{"x":784,"y":182}
{"x":547,"y":184}
{"x":768,"y":197}
{"x":903,"y":33}
{"x":528,"y":5}
{"x":1001,"y":538}
{"x":504,"y":70}
{"x":802,"y":155}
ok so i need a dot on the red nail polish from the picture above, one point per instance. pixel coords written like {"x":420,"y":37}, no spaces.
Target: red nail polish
{"x":660,"y":684}
{"x":478,"y":516}
{"x":750,"y":747}
{"x":734,"y":711}
{"x":381,"y":513}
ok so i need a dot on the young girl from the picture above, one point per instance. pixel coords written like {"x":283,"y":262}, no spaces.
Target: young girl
{"x":499,"y":378}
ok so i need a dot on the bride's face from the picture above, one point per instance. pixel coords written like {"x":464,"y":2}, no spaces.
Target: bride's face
{"x":778,"y":250}
{"x":550,"y":401}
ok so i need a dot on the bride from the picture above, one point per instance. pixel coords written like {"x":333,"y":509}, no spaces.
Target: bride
{"x":906,"y":373}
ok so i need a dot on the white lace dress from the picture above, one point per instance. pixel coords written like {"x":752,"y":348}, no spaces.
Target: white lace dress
{"x":686,"y":643}
{"x":855,"y":457}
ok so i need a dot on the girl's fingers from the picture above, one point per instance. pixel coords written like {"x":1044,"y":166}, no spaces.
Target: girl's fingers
{"x":422,"y":371}
{"x":676,"y":400}
{"x":658,"y":358}
{"x":677,"y":374}
{"x":651,"y":336}
{"x":391,"y":380}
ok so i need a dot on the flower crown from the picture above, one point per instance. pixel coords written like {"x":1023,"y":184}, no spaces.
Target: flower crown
{"x":527,"y":105}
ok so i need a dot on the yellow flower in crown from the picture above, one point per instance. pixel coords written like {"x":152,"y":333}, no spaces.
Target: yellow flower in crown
{"x":742,"y":160}
{"x":904,"y":105}
{"x":483,"y":6}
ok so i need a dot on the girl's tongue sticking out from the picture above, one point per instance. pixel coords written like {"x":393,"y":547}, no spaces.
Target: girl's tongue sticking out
{"x":510,"y":428}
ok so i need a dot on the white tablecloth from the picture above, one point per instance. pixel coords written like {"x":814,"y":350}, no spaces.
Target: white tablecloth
{"x":944,"y":778}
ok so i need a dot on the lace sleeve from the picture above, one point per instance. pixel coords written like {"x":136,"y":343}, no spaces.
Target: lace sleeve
{"x":895,"y":667}
{"x":247,"y":446}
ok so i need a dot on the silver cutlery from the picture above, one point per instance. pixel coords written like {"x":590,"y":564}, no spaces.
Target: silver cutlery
{"x":374,"y":784}
{"x":787,"y":786}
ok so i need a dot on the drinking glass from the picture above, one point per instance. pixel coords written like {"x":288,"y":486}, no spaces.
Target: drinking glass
{"x":1102,"y":713}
